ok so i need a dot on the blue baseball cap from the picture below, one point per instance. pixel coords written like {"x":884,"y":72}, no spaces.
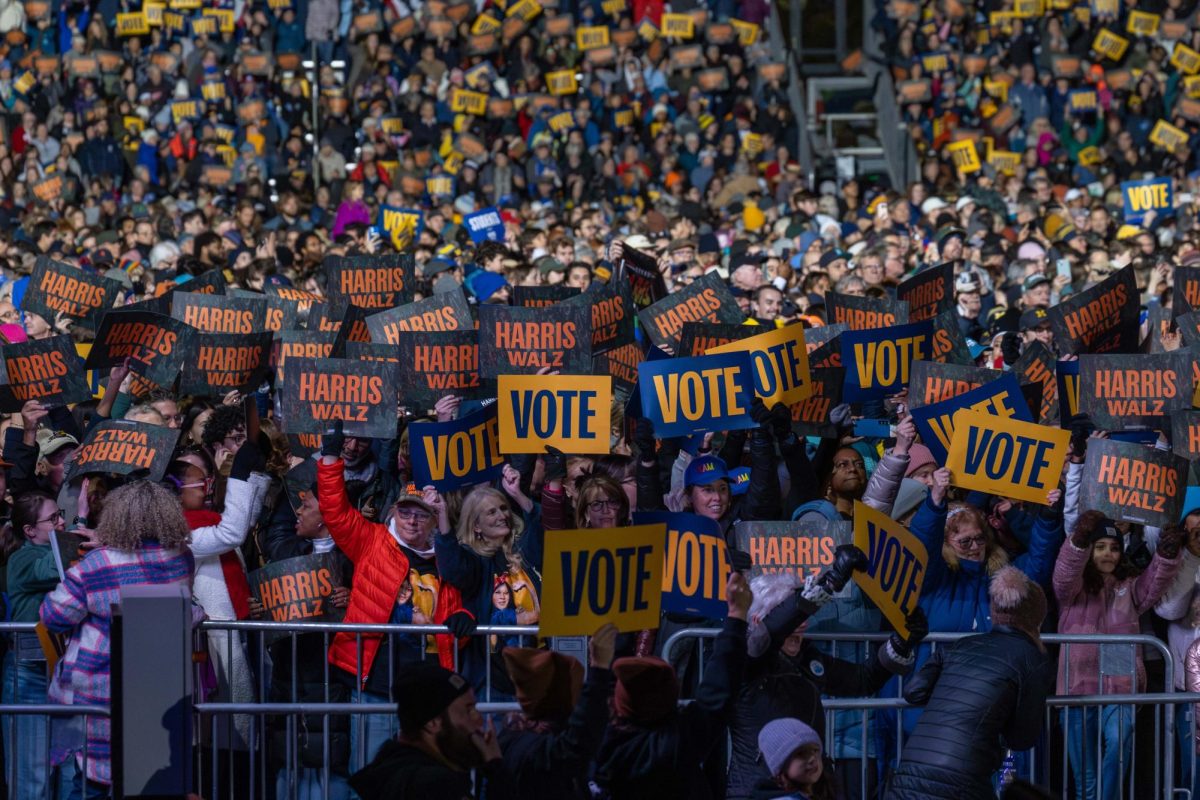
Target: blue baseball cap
{"x":739,"y":481}
{"x":703,"y":471}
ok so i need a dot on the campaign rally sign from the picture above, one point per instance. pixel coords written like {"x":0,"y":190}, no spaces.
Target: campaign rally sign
{"x":877,"y":362}
{"x":441,"y":312}
{"x":1152,"y":194}
{"x":212,"y":282}
{"x":935,"y":383}
{"x":1122,"y":391}
{"x":1037,"y":366}
{"x":699,"y":338}
{"x":440,"y":363}
{"x":122,"y":447}
{"x":400,"y":226}
{"x":928,"y":293}
{"x":865,"y":313}
{"x":1067,"y":385}
{"x":949,"y":343}
{"x":58,"y":288}
{"x":1006,"y":457}
{"x":695,"y":563}
{"x":780,"y":362}
{"x":1102,"y":319}
{"x":522,"y":341}
{"x":704,"y":300}
{"x":298,"y":589}
{"x":317,"y":391}
{"x":461,"y":452}
{"x":810,"y":417}
{"x":298,"y":344}
{"x":1189,"y":327}
{"x":1185,"y":294}
{"x":682,"y":396}
{"x":935,"y":422}
{"x":1185,"y":434}
{"x":215,"y":313}
{"x":571,"y":413}
{"x":621,"y":364}
{"x":591,"y":577}
{"x":485,"y":226}
{"x":1159,"y":323}
{"x":154,"y":343}
{"x":640,"y":271}
{"x":542,"y":296}
{"x":370,"y":351}
{"x":824,"y":346}
{"x":612,"y":315}
{"x":372,"y":281}
{"x":1133,"y":483}
{"x":47,"y":370}
{"x":896,"y":564}
{"x":222,"y":362}
{"x":802,"y":548}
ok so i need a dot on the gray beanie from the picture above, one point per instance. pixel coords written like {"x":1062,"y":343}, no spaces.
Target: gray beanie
{"x":780,"y":738}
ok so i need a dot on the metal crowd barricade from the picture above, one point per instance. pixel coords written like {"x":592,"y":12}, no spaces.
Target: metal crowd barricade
{"x":14,"y":740}
{"x":1163,"y":726}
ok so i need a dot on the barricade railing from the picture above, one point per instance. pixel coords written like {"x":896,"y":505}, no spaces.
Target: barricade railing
{"x":26,"y":715}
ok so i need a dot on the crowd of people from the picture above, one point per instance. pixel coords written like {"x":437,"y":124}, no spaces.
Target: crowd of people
{"x":168,"y":147}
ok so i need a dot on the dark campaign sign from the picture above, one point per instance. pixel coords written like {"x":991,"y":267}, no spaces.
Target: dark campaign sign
{"x":1159,"y":322}
{"x":864,"y":313}
{"x":221,"y":362}
{"x":1037,"y":365}
{"x":56,"y":288}
{"x":211,"y":282}
{"x":622,"y":364}
{"x":936,"y":383}
{"x":640,"y":271}
{"x":378,"y":281}
{"x":298,"y":344}
{"x":155,"y":344}
{"x":441,"y":312}
{"x":877,"y":362}
{"x":457,"y":453}
{"x":369,"y":351}
{"x":1102,"y":319}
{"x":802,"y":548}
{"x":1185,"y":434}
{"x":949,"y":344}
{"x":705,"y":300}
{"x":122,"y":447}
{"x":928,"y":293}
{"x":46,"y":370}
{"x":1133,"y":483}
{"x":317,"y":391}
{"x":824,"y":346}
{"x":542,"y":296}
{"x":810,"y":417}
{"x":521,"y":341}
{"x":1000,"y":396}
{"x":209,"y":313}
{"x":1123,"y":391}
{"x":1067,"y":385}
{"x":700,"y":337}
{"x":1186,"y":295}
{"x":612,"y":315}
{"x":438,"y":364}
{"x":1189,"y":327}
{"x":298,"y":589}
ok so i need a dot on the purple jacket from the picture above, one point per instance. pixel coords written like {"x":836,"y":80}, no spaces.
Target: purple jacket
{"x":349,"y":213}
{"x":1115,"y":610}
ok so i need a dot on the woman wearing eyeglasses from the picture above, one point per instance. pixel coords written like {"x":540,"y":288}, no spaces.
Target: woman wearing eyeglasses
{"x":602,"y":503}
{"x":31,"y":575}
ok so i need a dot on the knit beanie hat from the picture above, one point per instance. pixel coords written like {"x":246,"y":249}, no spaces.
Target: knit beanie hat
{"x":423,"y":690}
{"x":547,"y":683}
{"x":1017,"y":601}
{"x":646,"y":689}
{"x":779,"y":738}
{"x":918,"y":456}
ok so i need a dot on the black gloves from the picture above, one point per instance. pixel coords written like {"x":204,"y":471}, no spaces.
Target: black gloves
{"x":555,"y":464}
{"x":1170,"y":540}
{"x":1010,"y":347}
{"x":247,"y":459}
{"x":1081,"y":428}
{"x":759,"y":412}
{"x":461,"y":624}
{"x":847,"y":558}
{"x":740,"y":560}
{"x":781,"y":423}
{"x":333,"y":440}
{"x":643,"y":437}
{"x":918,"y":629}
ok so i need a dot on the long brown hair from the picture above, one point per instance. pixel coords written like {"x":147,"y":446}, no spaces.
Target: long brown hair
{"x":600,"y":487}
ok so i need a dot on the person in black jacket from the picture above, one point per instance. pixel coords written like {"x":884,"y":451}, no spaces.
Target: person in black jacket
{"x":981,"y":695}
{"x":550,"y":744}
{"x":652,"y":748}
{"x":787,"y":675}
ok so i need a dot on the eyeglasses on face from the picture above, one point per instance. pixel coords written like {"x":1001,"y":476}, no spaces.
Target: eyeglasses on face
{"x":970,"y":542}
{"x":56,"y":517}
{"x":604,"y":505}
{"x":850,"y":464}
{"x":418,"y":514}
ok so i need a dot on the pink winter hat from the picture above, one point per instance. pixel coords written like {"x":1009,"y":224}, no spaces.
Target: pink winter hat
{"x":918,"y":456}
{"x":12,"y":334}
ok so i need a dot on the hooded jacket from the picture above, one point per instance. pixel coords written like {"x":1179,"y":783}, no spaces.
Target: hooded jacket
{"x":402,"y":771}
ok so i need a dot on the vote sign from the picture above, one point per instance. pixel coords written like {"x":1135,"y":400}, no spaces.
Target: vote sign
{"x":1140,"y":197}
{"x":780,"y":362}
{"x":695,"y":563}
{"x":877,"y":362}
{"x":682,"y":396}
{"x":1133,"y":483}
{"x":896,"y":564}
{"x":572,"y":413}
{"x":1001,"y":397}
{"x":1006,"y":457}
{"x":590,"y":577}
{"x":461,"y":452}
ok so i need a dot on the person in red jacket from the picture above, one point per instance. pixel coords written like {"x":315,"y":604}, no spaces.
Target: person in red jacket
{"x":395,"y":581}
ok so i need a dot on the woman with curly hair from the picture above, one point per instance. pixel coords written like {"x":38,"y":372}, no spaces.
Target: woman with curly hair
{"x":142,"y":539}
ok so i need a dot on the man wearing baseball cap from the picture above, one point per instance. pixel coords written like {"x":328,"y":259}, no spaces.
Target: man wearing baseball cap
{"x":1035,"y":327}
{"x":968,"y":304}
{"x":442,"y":738}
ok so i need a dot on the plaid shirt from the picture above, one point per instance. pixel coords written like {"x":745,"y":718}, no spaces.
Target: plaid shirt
{"x":82,"y":606}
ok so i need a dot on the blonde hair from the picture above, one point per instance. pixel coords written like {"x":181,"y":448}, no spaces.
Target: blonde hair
{"x":139,"y":512}
{"x":472,"y":510}
{"x":956,"y":518}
